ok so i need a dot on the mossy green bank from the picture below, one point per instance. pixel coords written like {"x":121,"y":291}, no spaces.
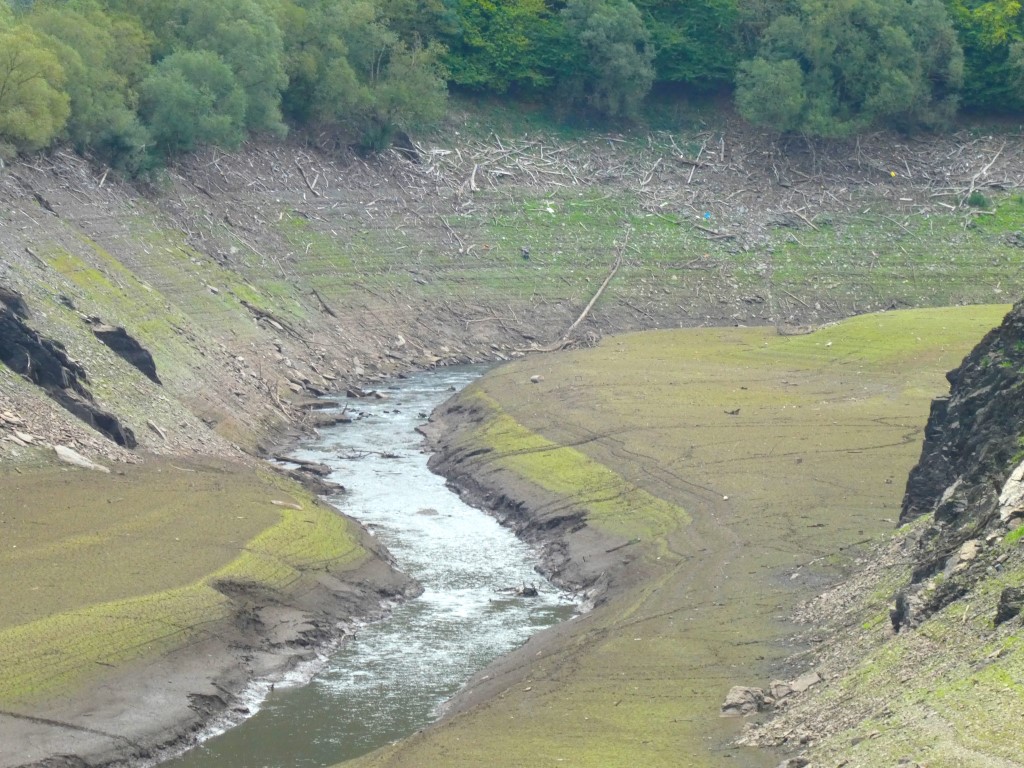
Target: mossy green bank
{"x":101,"y":570}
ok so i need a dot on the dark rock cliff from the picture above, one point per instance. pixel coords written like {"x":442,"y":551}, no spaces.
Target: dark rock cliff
{"x":964,"y":479}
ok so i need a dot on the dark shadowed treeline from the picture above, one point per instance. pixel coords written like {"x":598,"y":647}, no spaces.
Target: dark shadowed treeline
{"x":132,"y":82}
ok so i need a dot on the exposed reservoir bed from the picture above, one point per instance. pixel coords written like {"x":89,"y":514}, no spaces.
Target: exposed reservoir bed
{"x":390,"y":679}
{"x":730,"y":472}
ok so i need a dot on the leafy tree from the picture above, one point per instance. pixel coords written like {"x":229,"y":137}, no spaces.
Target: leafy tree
{"x":771,"y":93}
{"x":350,"y":73}
{"x":102,"y":58}
{"x":323,"y":85}
{"x":695,"y":43}
{"x":753,"y":17}
{"x":192,"y":98}
{"x":33,"y":105}
{"x":410,"y":92}
{"x":498,"y":45}
{"x":419,"y":21}
{"x":992,"y":36}
{"x":243,"y":33}
{"x":611,"y":69}
{"x":862,"y":63}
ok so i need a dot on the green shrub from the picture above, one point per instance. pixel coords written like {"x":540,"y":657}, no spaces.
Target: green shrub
{"x":977,"y":199}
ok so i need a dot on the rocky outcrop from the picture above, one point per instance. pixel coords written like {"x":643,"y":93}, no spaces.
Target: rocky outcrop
{"x":127,"y":348}
{"x":1011,"y":602}
{"x":46,"y":363}
{"x":968,"y":479}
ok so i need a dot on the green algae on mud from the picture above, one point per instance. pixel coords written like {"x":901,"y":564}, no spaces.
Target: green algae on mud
{"x":786,"y":453}
{"x":100,"y":570}
{"x":611,"y":503}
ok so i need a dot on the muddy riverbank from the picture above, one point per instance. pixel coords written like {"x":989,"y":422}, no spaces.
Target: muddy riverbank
{"x":700,"y":483}
{"x":482,"y":597}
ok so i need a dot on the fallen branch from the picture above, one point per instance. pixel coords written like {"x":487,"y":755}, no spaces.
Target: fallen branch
{"x":565,"y":341}
{"x":807,"y":221}
{"x":615,"y":268}
{"x":274,"y":320}
{"x":324,"y":304}
{"x":716,"y":234}
{"x":622,"y":546}
{"x":306,"y":180}
{"x":981,"y":173}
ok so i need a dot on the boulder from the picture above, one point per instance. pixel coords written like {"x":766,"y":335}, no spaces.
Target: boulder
{"x":780,"y":690}
{"x":805,"y":681}
{"x":743,"y":700}
{"x":75,"y":459}
{"x":1011,"y":601}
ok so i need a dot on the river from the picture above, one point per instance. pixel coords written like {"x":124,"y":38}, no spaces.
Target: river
{"x":391,"y":678}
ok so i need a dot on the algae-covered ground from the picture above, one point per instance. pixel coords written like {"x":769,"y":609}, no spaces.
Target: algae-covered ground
{"x":107,"y":576}
{"x":726,"y":472}
{"x":103,"y":568}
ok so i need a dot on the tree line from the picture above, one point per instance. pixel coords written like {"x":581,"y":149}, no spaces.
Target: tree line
{"x":133,"y":82}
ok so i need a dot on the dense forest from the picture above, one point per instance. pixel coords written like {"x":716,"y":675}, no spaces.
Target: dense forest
{"x":130,"y":83}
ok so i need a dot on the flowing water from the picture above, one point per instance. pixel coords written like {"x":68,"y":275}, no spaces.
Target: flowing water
{"x":390,"y":679}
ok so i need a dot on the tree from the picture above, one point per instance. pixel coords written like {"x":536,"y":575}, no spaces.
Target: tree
{"x":409,"y":93}
{"x":497,"y":46}
{"x":862,"y":64}
{"x":419,"y":21}
{"x":102,"y":58}
{"x":611,"y":70}
{"x":771,"y":93}
{"x":33,"y":105}
{"x":349,"y":72}
{"x":243,"y":33}
{"x":992,"y":36}
{"x":192,"y":98}
{"x":694,"y":43}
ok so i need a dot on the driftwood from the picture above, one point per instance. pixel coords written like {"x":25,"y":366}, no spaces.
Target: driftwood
{"x":305,"y":179}
{"x":274,"y":320}
{"x":324,"y":305}
{"x":566,"y":340}
{"x":615,"y":268}
{"x":715,"y":234}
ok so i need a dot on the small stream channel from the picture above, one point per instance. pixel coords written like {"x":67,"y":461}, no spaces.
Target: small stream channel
{"x":390,"y":679}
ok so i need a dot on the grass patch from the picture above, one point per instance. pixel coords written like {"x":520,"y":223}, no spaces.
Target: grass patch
{"x":1014,"y":536}
{"x":896,"y":259}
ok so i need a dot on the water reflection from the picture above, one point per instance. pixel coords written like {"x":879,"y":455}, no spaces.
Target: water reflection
{"x":390,"y":679}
